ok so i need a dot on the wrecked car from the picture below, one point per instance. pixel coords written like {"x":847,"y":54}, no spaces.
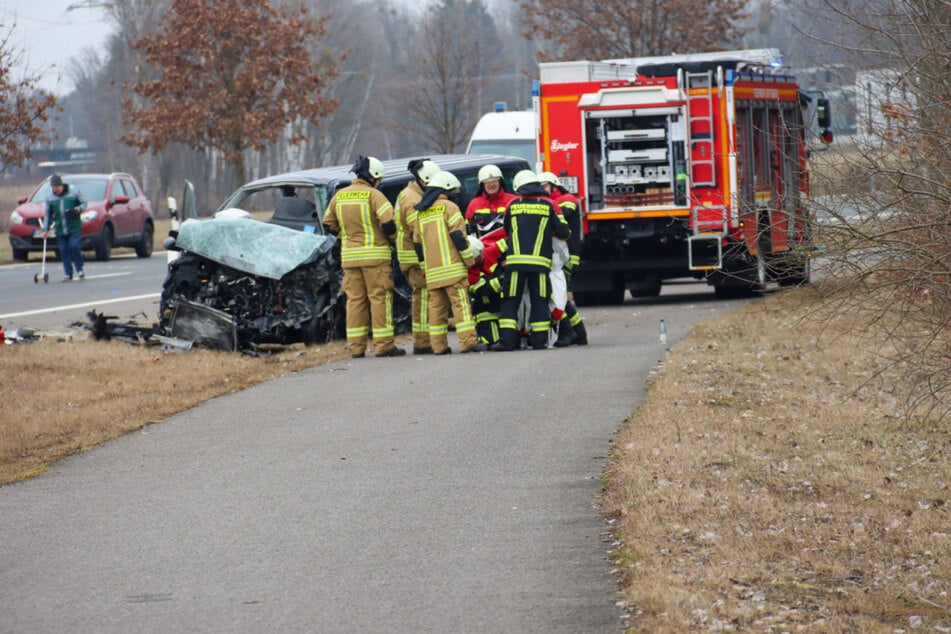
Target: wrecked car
{"x":239,"y":283}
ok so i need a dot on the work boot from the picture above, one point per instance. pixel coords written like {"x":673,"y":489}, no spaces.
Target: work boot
{"x":393,"y":352}
{"x":582,"y":334}
{"x":426,"y":350}
{"x":566,"y":334}
{"x":479,"y":347}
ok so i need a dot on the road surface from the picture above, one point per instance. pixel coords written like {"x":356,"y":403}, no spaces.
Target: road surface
{"x":125,"y":286}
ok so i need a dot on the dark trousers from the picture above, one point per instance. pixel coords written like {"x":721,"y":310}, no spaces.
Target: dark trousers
{"x":70,"y":252}
{"x":539,"y":317}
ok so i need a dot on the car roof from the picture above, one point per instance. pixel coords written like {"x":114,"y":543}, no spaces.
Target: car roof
{"x":66,"y":176}
{"x":395,"y":169}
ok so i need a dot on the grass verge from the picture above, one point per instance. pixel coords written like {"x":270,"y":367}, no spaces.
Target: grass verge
{"x":771,"y":481}
{"x":62,"y":397}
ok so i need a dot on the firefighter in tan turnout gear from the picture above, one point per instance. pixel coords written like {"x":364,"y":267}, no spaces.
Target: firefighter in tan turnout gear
{"x":422,"y":170}
{"x":363,"y":219}
{"x":439,"y":234}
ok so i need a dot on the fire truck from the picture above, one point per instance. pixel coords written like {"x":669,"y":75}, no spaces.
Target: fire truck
{"x":685,"y":165}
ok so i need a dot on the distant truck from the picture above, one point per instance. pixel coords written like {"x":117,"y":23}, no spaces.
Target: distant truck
{"x":509,"y":132}
{"x":686,"y":166}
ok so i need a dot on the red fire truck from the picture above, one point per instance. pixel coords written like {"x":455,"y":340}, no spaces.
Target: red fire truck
{"x":686,"y":166}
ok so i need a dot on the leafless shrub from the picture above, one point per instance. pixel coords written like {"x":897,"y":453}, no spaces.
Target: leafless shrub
{"x":884,"y":208}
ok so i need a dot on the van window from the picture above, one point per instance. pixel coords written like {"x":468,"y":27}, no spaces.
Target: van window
{"x":510,"y":147}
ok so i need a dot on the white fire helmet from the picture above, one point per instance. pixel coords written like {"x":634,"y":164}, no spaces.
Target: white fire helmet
{"x":489,"y":172}
{"x":524,"y":178}
{"x":375,"y":167}
{"x":427,"y":170}
{"x":445,"y":180}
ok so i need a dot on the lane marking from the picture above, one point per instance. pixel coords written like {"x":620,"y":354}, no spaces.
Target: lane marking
{"x":97,"y":277}
{"x":86,"y":305}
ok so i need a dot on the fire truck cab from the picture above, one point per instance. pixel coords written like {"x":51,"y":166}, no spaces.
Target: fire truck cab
{"x":685,"y":165}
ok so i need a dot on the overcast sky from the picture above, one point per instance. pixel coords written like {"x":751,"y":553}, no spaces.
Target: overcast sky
{"x":49,"y":36}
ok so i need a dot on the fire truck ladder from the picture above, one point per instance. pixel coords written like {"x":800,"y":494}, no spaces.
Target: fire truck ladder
{"x":705,"y":244}
{"x":700,"y":129}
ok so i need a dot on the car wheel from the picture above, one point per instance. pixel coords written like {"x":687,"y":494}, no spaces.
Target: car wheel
{"x":104,"y":248}
{"x":143,"y":249}
{"x":21,"y":254}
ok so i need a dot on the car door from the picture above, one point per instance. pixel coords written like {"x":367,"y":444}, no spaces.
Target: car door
{"x":138,"y":206}
{"x":117,"y":205}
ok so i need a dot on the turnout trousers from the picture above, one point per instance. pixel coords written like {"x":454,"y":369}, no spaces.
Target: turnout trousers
{"x":417,"y":281}
{"x":456,"y":297}
{"x":369,"y":291}
{"x":539,"y":318}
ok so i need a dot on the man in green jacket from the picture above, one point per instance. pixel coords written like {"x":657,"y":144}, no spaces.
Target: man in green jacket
{"x":63,"y":215}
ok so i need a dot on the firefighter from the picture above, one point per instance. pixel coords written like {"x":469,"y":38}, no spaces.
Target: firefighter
{"x":485,"y":287}
{"x":529,"y":222}
{"x":571,"y":328}
{"x":439,"y":236}
{"x":485,"y":211}
{"x":422,"y":170}
{"x":363,"y":218}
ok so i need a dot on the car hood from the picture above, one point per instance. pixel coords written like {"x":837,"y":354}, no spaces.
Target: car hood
{"x":32,"y":210}
{"x":251,"y":246}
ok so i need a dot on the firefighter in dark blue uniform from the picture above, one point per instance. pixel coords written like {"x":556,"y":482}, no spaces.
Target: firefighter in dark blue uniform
{"x":530,"y":221}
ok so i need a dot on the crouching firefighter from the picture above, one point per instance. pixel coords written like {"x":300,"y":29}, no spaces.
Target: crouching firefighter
{"x":363,"y":218}
{"x":485,"y":287}
{"x":529,"y":223}
{"x":422,"y":170}
{"x":439,"y":236}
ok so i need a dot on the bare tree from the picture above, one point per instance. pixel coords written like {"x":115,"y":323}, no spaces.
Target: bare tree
{"x":451,"y":62}
{"x":602,"y":29}
{"x":24,"y":110}
{"x":888,"y":191}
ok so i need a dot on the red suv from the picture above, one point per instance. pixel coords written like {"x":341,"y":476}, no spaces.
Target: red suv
{"x":117,"y":215}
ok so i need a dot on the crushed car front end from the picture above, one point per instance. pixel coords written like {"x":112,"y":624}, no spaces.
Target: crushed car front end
{"x":239,"y":283}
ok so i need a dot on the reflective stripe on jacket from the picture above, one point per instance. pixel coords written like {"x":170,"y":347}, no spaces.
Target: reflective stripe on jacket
{"x":529,"y":224}
{"x":572,"y":213}
{"x":356,"y":214}
{"x":405,"y":216}
{"x":445,"y":264}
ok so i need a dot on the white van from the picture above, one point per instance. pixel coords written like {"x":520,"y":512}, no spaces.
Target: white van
{"x":505,"y":132}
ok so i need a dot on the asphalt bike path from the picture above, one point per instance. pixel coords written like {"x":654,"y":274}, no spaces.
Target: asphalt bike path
{"x":412,"y":494}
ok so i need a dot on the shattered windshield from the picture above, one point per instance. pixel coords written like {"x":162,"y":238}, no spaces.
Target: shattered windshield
{"x":259,"y":248}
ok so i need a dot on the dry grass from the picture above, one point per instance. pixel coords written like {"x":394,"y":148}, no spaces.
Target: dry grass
{"x":63,"y":397}
{"x":771,"y":482}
